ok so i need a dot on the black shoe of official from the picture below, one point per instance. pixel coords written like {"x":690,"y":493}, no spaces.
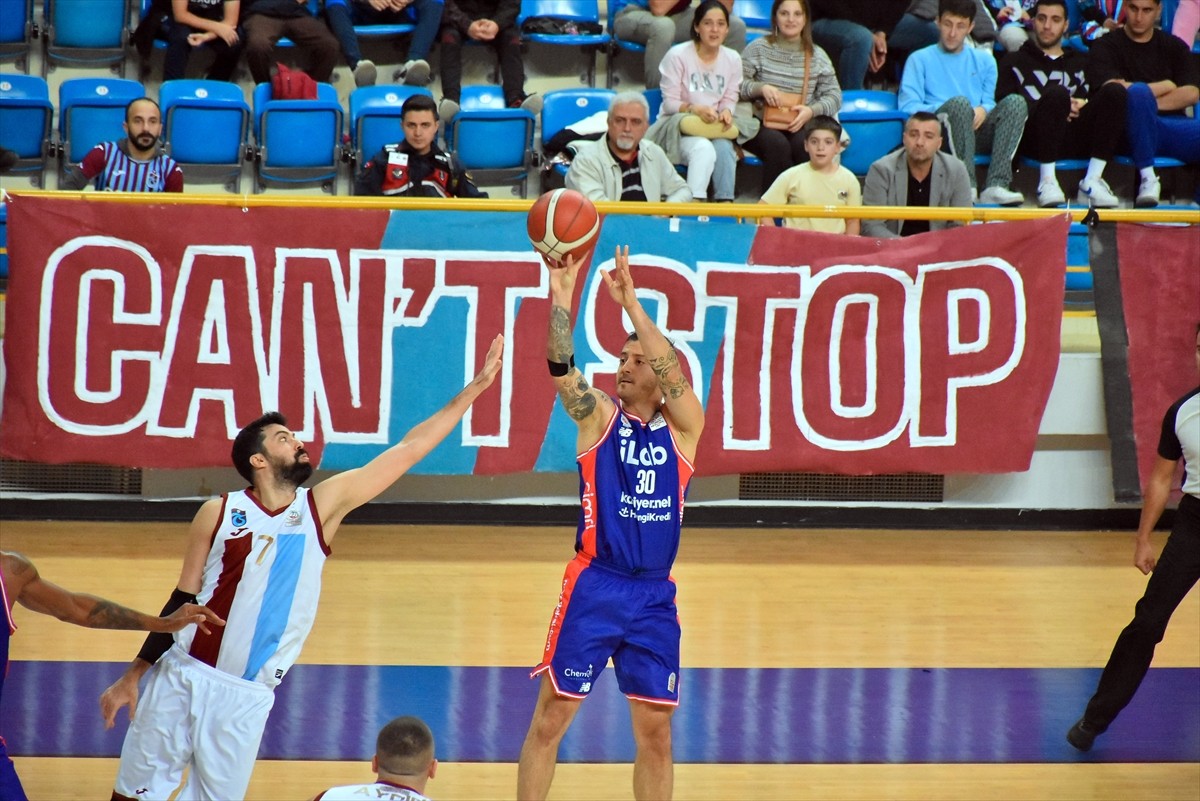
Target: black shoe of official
{"x":1082,"y":736}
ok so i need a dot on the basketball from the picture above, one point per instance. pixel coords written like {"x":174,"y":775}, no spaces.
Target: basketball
{"x":562,"y":222}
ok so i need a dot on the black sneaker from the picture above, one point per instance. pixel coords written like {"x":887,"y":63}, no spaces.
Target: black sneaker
{"x":1082,"y":736}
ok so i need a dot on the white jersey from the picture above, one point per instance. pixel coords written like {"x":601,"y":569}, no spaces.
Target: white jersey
{"x":383,"y":790}
{"x":263,"y":576}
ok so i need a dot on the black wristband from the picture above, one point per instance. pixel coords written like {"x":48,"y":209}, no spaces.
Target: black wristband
{"x":157,"y":642}
{"x":559,"y":369}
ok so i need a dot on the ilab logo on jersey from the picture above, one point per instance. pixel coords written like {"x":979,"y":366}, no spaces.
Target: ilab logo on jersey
{"x":238,"y":518}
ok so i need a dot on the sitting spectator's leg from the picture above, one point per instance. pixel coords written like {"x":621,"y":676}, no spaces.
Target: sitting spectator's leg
{"x":1142,"y":131}
{"x":178,"y":50}
{"x":341,"y":17}
{"x":450,"y":41}
{"x":428,"y":19}
{"x":960,"y":117}
{"x":910,"y":34}
{"x":724,"y":177}
{"x":507,"y":45}
{"x":1045,"y":134}
{"x":849,"y":45}
{"x":225,"y":57}
{"x":318,"y":44}
{"x":1002,"y":131}
{"x":700,"y":158}
{"x":771,"y":147}
{"x":1095,"y":135}
{"x":262,"y":32}
{"x":636,"y":24}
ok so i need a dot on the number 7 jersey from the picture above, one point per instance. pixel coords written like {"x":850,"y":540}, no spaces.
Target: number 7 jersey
{"x":632,"y":485}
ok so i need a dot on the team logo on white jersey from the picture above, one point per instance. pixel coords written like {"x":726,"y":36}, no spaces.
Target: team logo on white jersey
{"x":238,"y":518}
{"x":292,"y":518}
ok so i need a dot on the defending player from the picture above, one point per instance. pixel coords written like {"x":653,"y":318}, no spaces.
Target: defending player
{"x":618,"y":598}
{"x":254,"y":556}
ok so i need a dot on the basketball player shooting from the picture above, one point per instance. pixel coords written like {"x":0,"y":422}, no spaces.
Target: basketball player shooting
{"x":618,"y":599}
{"x":255,"y":556}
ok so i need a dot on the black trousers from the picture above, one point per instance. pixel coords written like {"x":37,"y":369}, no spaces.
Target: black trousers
{"x":1176,"y":573}
{"x":1050,"y":136}
{"x":507,"y":45}
{"x":778,"y":150}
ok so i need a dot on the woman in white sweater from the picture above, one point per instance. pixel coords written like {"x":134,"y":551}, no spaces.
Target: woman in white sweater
{"x":701,"y":77}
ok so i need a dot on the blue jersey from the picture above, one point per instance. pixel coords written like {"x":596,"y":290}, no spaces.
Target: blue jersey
{"x":632,"y":485}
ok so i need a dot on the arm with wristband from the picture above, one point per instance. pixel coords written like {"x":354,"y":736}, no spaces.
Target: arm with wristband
{"x":124,"y":691}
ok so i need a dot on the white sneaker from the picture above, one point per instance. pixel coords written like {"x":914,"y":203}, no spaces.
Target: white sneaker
{"x":532,"y":104}
{"x":414,"y":73}
{"x":1050,"y":194}
{"x":1148,"y":193}
{"x":1098,"y":193}
{"x":365,"y":73}
{"x":1001,"y":196}
{"x":447,"y":109}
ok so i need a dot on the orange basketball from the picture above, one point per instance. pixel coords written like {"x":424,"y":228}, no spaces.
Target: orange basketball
{"x":563,"y":221}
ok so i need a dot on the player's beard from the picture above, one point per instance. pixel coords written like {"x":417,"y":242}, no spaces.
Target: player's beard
{"x":626,"y":143}
{"x":295,"y":473}
{"x":145,"y":141}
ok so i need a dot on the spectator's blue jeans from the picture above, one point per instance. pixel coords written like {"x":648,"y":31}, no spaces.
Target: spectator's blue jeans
{"x":343,"y":15}
{"x":1151,"y":134}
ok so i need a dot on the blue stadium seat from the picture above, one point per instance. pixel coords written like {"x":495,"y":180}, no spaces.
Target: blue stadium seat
{"x":375,"y":118}
{"x":874,"y":124}
{"x":654,"y":98}
{"x":1079,"y":270}
{"x":90,"y":111}
{"x":562,"y":107}
{"x":16,"y":32}
{"x":297,"y":141}
{"x":25,"y":116}
{"x":85,"y":33}
{"x":757,"y":16}
{"x":574,"y":11}
{"x":617,"y":45}
{"x":205,"y":128}
{"x":493,"y":142}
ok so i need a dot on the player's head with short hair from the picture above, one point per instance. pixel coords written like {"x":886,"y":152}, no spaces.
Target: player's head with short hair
{"x":404,"y":747}
{"x":823,"y":122}
{"x":419,"y":102}
{"x":249,"y":441}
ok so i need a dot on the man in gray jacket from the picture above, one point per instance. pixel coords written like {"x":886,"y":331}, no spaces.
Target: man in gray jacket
{"x":623,"y":165}
{"x":920,"y":174}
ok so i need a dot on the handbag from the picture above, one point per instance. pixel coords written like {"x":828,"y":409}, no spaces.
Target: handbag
{"x":694,"y":125}
{"x":779,"y":117}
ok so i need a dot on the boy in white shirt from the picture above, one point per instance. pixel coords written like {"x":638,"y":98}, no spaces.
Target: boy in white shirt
{"x":822,"y":181}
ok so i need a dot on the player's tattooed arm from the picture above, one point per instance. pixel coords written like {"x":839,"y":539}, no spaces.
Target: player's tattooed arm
{"x":560,"y":347}
{"x":670,"y":375}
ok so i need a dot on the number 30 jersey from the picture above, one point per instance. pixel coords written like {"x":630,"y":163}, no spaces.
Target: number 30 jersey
{"x":632,"y":485}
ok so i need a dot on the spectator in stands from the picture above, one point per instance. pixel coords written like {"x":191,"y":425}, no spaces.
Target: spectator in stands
{"x":416,"y":167}
{"x":1013,"y":18}
{"x":918,"y":175}
{"x":658,"y":24}
{"x":982,"y":34}
{"x":786,"y":61}
{"x":492,"y":23}
{"x":954,"y":79}
{"x":403,"y":765}
{"x":1161,"y":80}
{"x":1099,"y":17}
{"x":425,"y":15}
{"x":700,"y":82}
{"x":822,"y":181}
{"x":133,"y":163}
{"x":859,"y":34}
{"x":199,"y":22}
{"x":623,"y":165}
{"x":1065,"y":120}
{"x":267,"y":21}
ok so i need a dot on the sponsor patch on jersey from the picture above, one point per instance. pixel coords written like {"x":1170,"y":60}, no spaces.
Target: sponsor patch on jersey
{"x":671,"y":683}
{"x":238,"y":518}
{"x":658,"y":422}
{"x":292,"y":518}
{"x":625,"y":430}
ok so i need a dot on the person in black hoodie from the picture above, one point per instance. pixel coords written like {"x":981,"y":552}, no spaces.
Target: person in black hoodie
{"x":416,"y":167}
{"x":1066,"y":120}
{"x":858,"y":33}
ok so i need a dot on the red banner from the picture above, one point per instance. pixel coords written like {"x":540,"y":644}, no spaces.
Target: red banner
{"x":144,"y":335}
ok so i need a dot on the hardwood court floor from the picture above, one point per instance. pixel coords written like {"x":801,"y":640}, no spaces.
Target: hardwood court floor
{"x":448,"y":595}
